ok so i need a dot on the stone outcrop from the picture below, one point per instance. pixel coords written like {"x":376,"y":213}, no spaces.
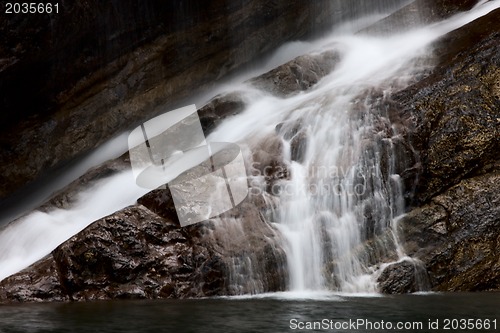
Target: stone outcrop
{"x":138,"y":253}
{"x":452,"y":119}
{"x":219,"y":108}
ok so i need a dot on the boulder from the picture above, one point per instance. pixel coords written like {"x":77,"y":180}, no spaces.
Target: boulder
{"x":452,"y":115}
{"x":66,"y":197}
{"x":448,"y":125}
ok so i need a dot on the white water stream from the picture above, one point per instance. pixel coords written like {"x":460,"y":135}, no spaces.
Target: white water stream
{"x":322,"y":206}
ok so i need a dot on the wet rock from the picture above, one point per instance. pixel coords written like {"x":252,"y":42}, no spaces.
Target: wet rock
{"x":402,"y":278}
{"x":268,"y":162}
{"x":297,"y":75}
{"x":451,"y":120}
{"x":69,"y":195}
{"x":160,"y":202}
{"x":452,"y":115}
{"x":294,"y":132}
{"x":253,"y":247}
{"x":298,"y":147}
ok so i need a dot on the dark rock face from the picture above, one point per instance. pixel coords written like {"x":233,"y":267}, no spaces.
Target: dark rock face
{"x":121,"y":257}
{"x":419,"y":12}
{"x":453,"y":114}
{"x":268,"y":162}
{"x":452,"y":119}
{"x":67,"y":196}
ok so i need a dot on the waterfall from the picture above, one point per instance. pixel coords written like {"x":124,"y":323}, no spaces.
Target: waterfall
{"x":338,"y":210}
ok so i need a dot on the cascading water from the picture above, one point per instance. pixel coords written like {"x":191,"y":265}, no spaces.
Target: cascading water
{"x":343,"y":194}
{"x":338,"y":210}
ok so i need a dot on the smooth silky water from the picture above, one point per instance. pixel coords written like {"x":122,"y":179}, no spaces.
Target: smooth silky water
{"x":320,"y":213}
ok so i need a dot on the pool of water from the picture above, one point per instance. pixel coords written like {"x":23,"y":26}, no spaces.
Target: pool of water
{"x":283,"y":312}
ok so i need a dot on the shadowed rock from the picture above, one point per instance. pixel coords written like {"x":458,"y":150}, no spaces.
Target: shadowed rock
{"x":220,"y":108}
{"x":451,"y":119}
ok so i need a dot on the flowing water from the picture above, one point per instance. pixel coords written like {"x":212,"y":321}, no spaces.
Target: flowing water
{"x":344,"y":188}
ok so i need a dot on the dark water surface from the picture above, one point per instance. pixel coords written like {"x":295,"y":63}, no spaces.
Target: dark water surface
{"x":265,"y":314}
